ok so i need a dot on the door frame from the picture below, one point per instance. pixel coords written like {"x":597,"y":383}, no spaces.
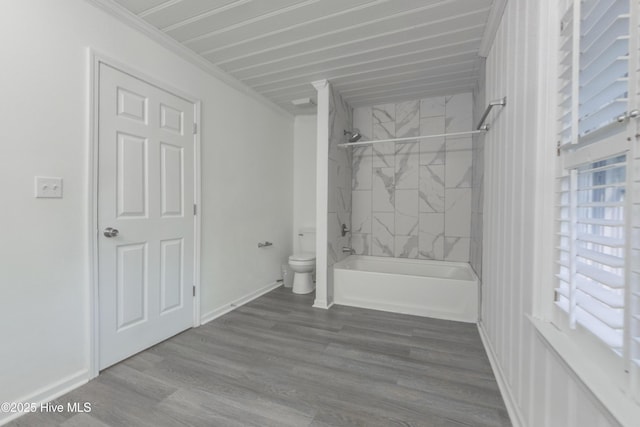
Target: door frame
{"x":95,"y":59}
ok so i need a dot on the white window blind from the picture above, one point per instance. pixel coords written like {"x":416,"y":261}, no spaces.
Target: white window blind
{"x":604,"y":63}
{"x":593,"y":73}
{"x":591,"y":187}
{"x":592,"y":248}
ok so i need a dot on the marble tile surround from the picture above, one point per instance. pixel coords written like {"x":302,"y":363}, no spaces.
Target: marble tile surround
{"x":477,"y":186}
{"x":413,"y":200}
{"x":340,"y":182}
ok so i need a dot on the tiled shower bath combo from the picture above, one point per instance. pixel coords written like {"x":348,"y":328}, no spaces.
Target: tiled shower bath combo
{"x":413,"y":199}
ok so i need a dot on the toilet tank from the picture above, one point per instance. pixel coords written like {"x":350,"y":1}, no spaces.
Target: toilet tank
{"x":307,"y":239}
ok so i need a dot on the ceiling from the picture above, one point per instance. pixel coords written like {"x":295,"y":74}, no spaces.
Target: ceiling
{"x":372,"y":51}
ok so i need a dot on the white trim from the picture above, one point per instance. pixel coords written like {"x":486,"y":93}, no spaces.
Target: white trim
{"x":48,"y":393}
{"x":220,"y":311}
{"x":197,"y":200}
{"x":322,"y":190}
{"x":544,"y":244}
{"x":491,"y":29}
{"x":320,"y":84}
{"x":515,"y":415}
{"x":603,"y":149}
{"x":93,"y":329}
{"x":95,"y":59}
{"x":322,"y":304}
{"x":137,"y":23}
{"x":614,"y":403}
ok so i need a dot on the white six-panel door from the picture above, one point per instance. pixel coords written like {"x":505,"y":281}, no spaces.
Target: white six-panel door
{"x":146,"y":193}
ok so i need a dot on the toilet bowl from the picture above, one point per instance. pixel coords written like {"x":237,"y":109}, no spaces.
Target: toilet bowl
{"x":303,"y":265}
{"x":303,"y":262}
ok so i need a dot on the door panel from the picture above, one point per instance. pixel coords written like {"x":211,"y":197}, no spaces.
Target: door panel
{"x":131,"y":285}
{"x":146,"y":192}
{"x":171,"y":285}
{"x":171,"y":180}
{"x":132,"y":177}
{"x":171,"y":119}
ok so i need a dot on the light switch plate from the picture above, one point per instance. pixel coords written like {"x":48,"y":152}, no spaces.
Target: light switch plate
{"x":48,"y":187}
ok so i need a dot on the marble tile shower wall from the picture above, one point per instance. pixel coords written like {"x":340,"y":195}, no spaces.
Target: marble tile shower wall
{"x":339,"y":186}
{"x":413,"y":200}
{"x":477,"y":198}
{"x":477,"y":181}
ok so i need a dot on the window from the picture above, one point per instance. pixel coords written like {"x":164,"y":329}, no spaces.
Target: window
{"x":598,"y":239}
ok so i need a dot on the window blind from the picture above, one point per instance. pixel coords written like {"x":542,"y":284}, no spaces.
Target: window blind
{"x":593,"y":98}
{"x":604,"y":63}
{"x":591,"y":246}
{"x":565,"y":77}
{"x":593,"y":74}
{"x":600,"y":249}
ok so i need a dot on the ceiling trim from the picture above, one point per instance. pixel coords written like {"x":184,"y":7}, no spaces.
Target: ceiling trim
{"x":493,"y":23}
{"x":133,"y":21}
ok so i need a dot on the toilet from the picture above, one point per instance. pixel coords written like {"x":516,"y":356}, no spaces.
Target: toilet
{"x":304,"y":262}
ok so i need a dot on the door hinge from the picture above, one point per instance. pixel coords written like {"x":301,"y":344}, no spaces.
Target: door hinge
{"x":195,"y":128}
{"x":194,"y":291}
{"x":195,"y":209}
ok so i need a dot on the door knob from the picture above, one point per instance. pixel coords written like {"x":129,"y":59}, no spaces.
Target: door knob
{"x":110,"y":232}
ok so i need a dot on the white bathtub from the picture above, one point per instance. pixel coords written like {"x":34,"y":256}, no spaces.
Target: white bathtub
{"x":440,"y":289}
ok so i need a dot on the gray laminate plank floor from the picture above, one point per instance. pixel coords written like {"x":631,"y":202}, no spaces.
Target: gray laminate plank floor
{"x":279,"y":362}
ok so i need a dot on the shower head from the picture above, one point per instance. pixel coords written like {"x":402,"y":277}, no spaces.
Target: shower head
{"x":354,"y":136}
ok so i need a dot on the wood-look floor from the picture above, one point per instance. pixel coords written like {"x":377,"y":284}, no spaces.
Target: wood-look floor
{"x":279,"y":362}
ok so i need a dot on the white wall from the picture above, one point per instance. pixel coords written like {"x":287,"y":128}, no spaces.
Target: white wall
{"x":247,"y":155}
{"x":304,"y":175}
{"x":539,"y":388}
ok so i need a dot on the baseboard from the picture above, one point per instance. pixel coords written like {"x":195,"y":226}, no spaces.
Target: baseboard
{"x":49,"y":393}
{"x":517,"y":420}
{"x":214,"y":314}
{"x":322,"y":304}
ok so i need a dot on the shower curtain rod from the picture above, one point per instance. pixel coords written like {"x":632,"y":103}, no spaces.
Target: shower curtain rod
{"x":481,"y":128}
{"x":411,"y":138}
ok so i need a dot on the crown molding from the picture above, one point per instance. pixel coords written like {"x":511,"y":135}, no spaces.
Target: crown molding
{"x":133,"y":21}
{"x":493,"y":23}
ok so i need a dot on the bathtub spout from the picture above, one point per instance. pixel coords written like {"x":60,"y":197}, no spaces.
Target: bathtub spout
{"x":348,"y":250}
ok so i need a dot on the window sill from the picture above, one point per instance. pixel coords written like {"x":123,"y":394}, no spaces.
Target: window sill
{"x":619,"y":403}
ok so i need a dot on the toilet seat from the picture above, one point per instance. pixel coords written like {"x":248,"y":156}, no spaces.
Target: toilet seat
{"x":303,"y":256}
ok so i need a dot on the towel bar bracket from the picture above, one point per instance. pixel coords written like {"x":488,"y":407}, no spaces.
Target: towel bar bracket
{"x":497,"y":103}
